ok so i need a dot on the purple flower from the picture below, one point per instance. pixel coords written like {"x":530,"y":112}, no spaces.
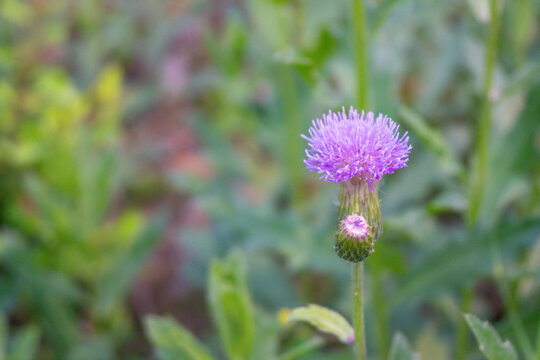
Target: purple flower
{"x":343,"y":146}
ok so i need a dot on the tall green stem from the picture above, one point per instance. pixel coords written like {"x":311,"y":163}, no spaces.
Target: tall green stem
{"x":484,"y":122}
{"x":360,"y":42}
{"x":360,"y":45}
{"x":523,"y":17}
{"x":538,"y":341}
{"x":358,"y":310}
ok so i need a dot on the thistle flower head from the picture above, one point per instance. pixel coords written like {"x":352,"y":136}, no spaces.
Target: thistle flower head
{"x":343,"y":146}
{"x":355,"y":226}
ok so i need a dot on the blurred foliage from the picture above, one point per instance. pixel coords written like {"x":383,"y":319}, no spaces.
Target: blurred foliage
{"x":231,"y":306}
{"x":75,"y":76}
{"x":232,"y":312}
{"x":245,"y":332}
{"x":401,"y":349}
{"x":67,"y":256}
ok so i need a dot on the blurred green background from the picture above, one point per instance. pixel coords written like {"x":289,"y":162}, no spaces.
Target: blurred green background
{"x":142,"y":140}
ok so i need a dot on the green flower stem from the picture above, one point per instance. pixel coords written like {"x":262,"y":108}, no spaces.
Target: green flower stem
{"x":358,"y":310}
{"x":484,"y":122}
{"x":356,"y":197}
{"x":360,"y":39}
{"x":360,"y":45}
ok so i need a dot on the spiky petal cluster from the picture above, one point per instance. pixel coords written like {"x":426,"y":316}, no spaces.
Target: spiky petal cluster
{"x":343,"y":146}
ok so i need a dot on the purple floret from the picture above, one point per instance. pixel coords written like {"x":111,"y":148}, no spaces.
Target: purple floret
{"x":343,"y":146}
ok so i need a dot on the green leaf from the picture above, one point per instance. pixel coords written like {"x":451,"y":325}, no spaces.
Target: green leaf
{"x":172,"y":341}
{"x":429,"y":346}
{"x":231,"y":305}
{"x":97,"y":176}
{"x":432,"y":139}
{"x":51,"y":297}
{"x":506,"y":169}
{"x":325,"y":320}
{"x":25,"y":344}
{"x":267,"y":339}
{"x":491,"y":344}
{"x":401,"y":350}
{"x":3,"y":337}
{"x":291,"y":57}
{"x":116,"y":280}
{"x":302,"y":349}
{"x":461,"y":261}
{"x":480,"y":9}
{"x":92,"y":347}
{"x":108,"y":86}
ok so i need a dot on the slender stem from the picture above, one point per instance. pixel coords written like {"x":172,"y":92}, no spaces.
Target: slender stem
{"x":484,"y":122}
{"x":462,"y":337}
{"x":522,"y":21}
{"x":538,"y":341}
{"x":360,"y":45}
{"x":360,"y":42}
{"x":358,"y":310}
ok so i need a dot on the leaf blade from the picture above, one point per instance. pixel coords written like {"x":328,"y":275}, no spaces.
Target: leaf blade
{"x":231,"y":306}
{"x":325,"y":320}
{"x":490,"y":343}
{"x":173,"y":341}
{"x":401,"y":349}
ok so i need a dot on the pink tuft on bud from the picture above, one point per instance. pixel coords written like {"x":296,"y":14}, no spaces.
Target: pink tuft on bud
{"x":355,"y":226}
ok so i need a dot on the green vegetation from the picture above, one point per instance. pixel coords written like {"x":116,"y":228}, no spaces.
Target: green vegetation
{"x":142,"y":143}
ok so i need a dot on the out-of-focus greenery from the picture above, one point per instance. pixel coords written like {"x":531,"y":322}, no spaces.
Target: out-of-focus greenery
{"x":66,"y":263}
{"x":75,"y":75}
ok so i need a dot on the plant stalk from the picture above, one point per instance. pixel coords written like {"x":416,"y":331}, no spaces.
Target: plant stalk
{"x":462,"y":339}
{"x":484,"y":122}
{"x":358,"y":310}
{"x":538,"y":341}
{"x":360,"y":45}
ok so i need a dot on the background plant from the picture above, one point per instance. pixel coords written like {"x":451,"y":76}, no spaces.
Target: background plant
{"x":248,"y":78}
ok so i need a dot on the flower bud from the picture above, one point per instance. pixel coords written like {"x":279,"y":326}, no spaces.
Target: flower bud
{"x":360,"y":221}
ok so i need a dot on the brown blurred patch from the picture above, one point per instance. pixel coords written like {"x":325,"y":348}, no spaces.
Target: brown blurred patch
{"x":487,"y":290}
